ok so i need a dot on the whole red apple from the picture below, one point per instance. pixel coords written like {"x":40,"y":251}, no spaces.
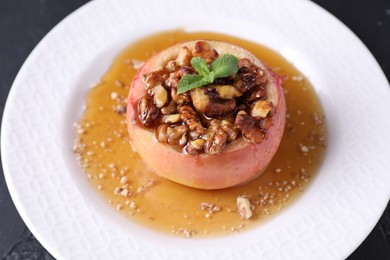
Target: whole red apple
{"x":238,"y":162}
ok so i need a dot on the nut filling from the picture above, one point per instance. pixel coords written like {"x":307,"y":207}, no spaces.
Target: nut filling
{"x":205,"y":119}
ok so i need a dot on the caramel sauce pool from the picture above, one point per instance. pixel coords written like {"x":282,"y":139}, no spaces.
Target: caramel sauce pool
{"x":103,"y":151}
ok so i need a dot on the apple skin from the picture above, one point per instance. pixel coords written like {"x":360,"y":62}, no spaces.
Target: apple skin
{"x":237,"y":163}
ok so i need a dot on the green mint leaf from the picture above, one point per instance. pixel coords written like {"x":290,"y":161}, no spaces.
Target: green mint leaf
{"x":210,"y":77}
{"x":200,"y":66}
{"x":189,"y":82}
{"x":224,"y":66}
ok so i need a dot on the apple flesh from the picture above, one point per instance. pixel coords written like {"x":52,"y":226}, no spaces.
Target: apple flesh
{"x":237,"y":163}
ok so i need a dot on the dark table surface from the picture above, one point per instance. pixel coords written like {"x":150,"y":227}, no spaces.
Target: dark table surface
{"x":23,"y":23}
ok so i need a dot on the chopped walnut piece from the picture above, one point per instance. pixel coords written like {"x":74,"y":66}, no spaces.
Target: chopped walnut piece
{"x":215,"y":142}
{"x":249,"y":76}
{"x":249,"y":81}
{"x":193,"y":134}
{"x":173,"y":79}
{"x":244,"y":121}
{"x":180,"y":99}
{"x":169,"y":109}
{"x":248,"y":128}
{"x":183,"y":140}
{"x":161,"y":133}
{"x":259,"y":92}
{"x":176,"y":133}
{"x":147,"y":112}
{"x":199,"y":99}
{"x":184,"y":56}
{"x":195,"y":146}
{"x":261,"y":109}
{"x":189,"y":116}
{"x":154,"y":78}
{"x":244,"y":207}
{"x":171,"y":119}
{"x":244,"y":64}
{"x":227,"y":91}
{"x":160,"y":96}
{"x":216,"y":138}
{"x":202,"y":49}
{"x":230,"y":130}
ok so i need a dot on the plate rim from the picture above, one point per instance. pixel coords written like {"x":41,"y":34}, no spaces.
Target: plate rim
{"x":7,"y":173}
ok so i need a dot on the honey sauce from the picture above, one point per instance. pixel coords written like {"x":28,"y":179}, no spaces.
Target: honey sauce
{"x":119,"y":175}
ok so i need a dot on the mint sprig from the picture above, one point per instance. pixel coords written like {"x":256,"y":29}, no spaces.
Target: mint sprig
{"x":222,"y":67}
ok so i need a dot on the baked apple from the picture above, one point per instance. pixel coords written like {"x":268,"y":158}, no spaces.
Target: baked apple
{"x":206,"y":114}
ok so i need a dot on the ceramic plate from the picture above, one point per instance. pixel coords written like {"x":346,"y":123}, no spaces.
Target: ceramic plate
{"x":68,"y":217}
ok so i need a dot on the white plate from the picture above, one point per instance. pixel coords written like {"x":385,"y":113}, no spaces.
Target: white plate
{"x":63,"y":211}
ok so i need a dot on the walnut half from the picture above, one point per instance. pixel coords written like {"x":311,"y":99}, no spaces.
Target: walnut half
{"x":250,"y":130}
{"x":189,"y":116}
{"x":207,"y":101}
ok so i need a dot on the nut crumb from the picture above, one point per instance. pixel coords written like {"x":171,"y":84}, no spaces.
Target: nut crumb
{"x":210,"y":207}
{"x":142,"y":188}
{"x":304,"y":149}
{"x":318,"y":120}
{"x":132,"y":205}
{"x":123,"y":180}
{"x":118,"y":190}
{"x":114,"y":95}
{"x":124,"y":192}
{"x":187,"y":233}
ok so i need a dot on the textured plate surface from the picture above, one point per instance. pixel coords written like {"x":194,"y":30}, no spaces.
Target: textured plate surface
{"x":66,"y":215}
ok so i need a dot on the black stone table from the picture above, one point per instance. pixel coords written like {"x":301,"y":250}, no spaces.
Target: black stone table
{"x":23,"y":23}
